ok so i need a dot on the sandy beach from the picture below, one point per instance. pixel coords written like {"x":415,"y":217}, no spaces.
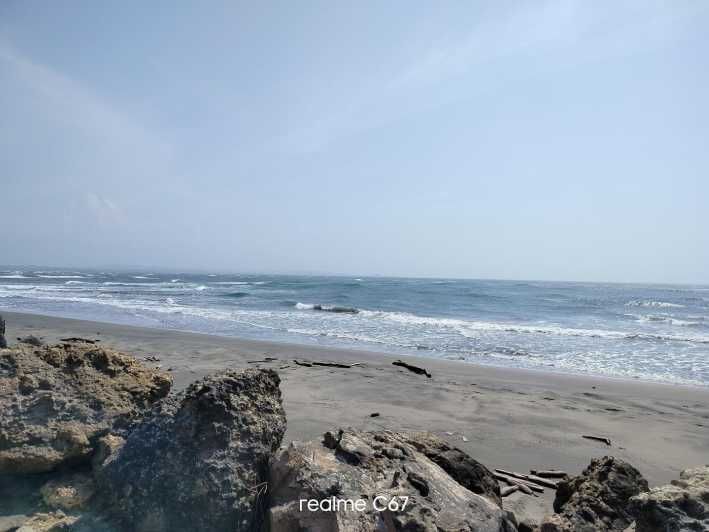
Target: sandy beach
{"x":511,"y":419}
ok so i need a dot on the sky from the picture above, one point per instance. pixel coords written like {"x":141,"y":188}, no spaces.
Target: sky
{"x":512,"y":140}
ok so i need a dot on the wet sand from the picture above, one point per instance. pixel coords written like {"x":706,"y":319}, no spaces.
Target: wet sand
{"x":511,"y":419}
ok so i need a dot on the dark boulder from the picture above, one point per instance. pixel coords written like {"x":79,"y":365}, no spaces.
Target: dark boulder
{"x":682,"y":505}
{"x":3,"y":342}
{"x":199,"y":461}
{"x":597,"y":499}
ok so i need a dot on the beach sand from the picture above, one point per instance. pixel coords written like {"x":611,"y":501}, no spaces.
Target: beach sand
{"x":511,"y":419}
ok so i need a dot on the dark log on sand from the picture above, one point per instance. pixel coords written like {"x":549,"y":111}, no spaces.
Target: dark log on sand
{"x":549,"y":473}
{"x":529,"y":478}
{"x":337,"y":364}
{"x":602,"y":439}
{"x":415,"y":369}
{"x":77,"y":339}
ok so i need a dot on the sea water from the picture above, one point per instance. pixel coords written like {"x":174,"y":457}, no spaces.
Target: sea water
{"x":653,"y":332}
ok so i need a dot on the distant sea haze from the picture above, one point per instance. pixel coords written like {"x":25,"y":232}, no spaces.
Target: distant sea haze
{"x":650,"y":332}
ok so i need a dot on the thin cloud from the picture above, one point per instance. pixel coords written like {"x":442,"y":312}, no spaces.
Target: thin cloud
{"x":531,"y":30}
{"x":76,"y":105}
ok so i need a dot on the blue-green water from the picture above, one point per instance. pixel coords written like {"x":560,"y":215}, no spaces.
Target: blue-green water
{"x":649,"y":332}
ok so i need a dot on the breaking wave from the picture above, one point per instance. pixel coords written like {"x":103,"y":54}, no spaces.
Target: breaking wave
{"x":650,"y":303}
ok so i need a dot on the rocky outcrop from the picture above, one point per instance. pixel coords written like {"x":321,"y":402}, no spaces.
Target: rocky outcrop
{"x":466,"y":471}
{"x":597,"y":499}
{"x":370,"y":481}
{"x":682,"y":505}
{"x":55,"y":402}
{"x":199,"y":461}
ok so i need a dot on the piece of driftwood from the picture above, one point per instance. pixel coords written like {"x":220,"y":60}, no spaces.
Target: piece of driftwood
{"x":523,"y":486}
{"x":3,"y":342}
{"x":602,"y":439}
{"x":508,"y":490}
{"x":267,"y":359}
{"x":529,"y":478}
{"x":303,"y":363}
{"x":549,"y":473}
{"x":414,"y":369}
{"x":336,"y":364}
{"x":77,"y":339}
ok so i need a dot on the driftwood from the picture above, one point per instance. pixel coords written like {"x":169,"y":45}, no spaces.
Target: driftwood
{"x":336,"y":364}
{"x":529,"y":478}
{"x":415,"y":369}
{"x":311,"y":363}
{"x":267,"y":359}
{"x":77,"y":339}
{"x":522,"y":486}
{"x":3,"y":342}
{"x":549,"y":473}
{"x":602,"y":439}
{"x":508,"y":490}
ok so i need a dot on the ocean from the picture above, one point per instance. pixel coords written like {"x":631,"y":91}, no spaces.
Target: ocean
{"x":651,"y":332}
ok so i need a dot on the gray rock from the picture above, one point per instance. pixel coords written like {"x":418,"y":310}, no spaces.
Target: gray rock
{"x":3,"y":342}
{"x":30,"y":339}
{"x":597,"y":500}
{"x":199,"y":461}
{"x":56,"y":401}
{"x":466,"y":471}
{"x":384,"y":466}
{"x":682,"y":505}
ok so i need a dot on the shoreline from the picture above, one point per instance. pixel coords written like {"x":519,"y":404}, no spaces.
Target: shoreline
{"x":547,"y":372}
{"x":515,"y":419}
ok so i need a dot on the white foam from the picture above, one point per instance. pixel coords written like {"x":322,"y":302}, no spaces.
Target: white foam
{"x":649,"y":303}
{"x":304,"y":306}
{"x":61,"y":276}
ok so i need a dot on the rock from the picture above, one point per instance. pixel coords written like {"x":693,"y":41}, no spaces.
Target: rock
{"x":466,"y":471}
{"x":48,"y":522}
{"x":683,"y":505}
{"x":384,"y":466}
{"x":3,"y":342}
{"x":56,"y":401}
{"x":199,"y":461}
{"x":71,"y":492}
{"x":597,"y":499}
{"x":30,"y":340}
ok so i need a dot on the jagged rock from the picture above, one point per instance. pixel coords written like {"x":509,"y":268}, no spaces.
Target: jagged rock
{"x":70,"y":492}
{"x":466,"y":471}
{"x":199,"y":461}
{"x":355,"y":466}
{"x":597,"y":499}
{"x":55,"y":401}
{"x":48,"y":522}
{"x":682,"y":505}
{"x":3,"y":342}
{"x":30,"y":339}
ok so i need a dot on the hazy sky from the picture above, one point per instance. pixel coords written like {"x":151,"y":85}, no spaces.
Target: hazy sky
{"x":535,"y":140}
